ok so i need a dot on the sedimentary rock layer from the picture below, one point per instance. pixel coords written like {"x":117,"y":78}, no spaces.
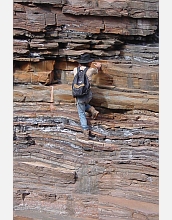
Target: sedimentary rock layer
{"x":115,"y":174}
{"x":107,"y":98}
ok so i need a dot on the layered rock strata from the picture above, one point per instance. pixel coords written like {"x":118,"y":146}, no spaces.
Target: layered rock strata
{"x":112,"y":176}
{"x":47,"y":34}
{"x":115,"y":174}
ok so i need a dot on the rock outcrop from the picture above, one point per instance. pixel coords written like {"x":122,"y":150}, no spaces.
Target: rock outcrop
{"x":115,"y":174}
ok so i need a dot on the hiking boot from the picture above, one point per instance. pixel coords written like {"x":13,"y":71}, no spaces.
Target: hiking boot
{"x":86,"y":133}
{"x":93,"y":112}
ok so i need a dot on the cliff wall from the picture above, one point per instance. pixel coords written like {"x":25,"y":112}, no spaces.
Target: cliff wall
{"x":114,"y":175}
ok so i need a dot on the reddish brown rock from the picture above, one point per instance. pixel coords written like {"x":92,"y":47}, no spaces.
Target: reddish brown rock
{"x":70,"y":176}
{"x":57,"y":173}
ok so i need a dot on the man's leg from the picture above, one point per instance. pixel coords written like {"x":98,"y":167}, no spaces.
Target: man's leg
{"x":87,"y":107}
{"x":82,"y":116}
{"x":93,"y":112}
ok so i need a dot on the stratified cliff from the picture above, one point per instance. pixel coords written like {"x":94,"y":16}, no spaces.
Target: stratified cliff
{"x":115,"y":174}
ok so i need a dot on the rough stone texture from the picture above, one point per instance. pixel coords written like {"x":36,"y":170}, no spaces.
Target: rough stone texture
{"x":58,"y":174}
{"x":112,"y":176}
{"x":107,"y":98}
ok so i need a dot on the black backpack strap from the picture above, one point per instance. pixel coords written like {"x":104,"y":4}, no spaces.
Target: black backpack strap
{"x":78,"y":69}
{"x":85,"y":70}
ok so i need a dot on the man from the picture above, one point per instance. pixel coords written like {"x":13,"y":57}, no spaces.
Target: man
{"x":83,"y":103}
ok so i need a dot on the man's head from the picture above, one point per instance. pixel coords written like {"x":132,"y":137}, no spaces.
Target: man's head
{"x":85,"y":59}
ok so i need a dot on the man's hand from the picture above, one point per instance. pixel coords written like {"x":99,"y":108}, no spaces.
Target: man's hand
{"x":97,"y":65}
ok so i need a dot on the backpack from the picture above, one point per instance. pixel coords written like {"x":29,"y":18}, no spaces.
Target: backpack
{"x":80,"y":84}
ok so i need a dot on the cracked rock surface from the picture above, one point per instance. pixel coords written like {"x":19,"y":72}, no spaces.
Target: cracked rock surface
{"x":57,"y":170}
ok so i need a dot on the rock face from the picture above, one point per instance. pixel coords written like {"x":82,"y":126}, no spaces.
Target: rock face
{"x":114,"y":175}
